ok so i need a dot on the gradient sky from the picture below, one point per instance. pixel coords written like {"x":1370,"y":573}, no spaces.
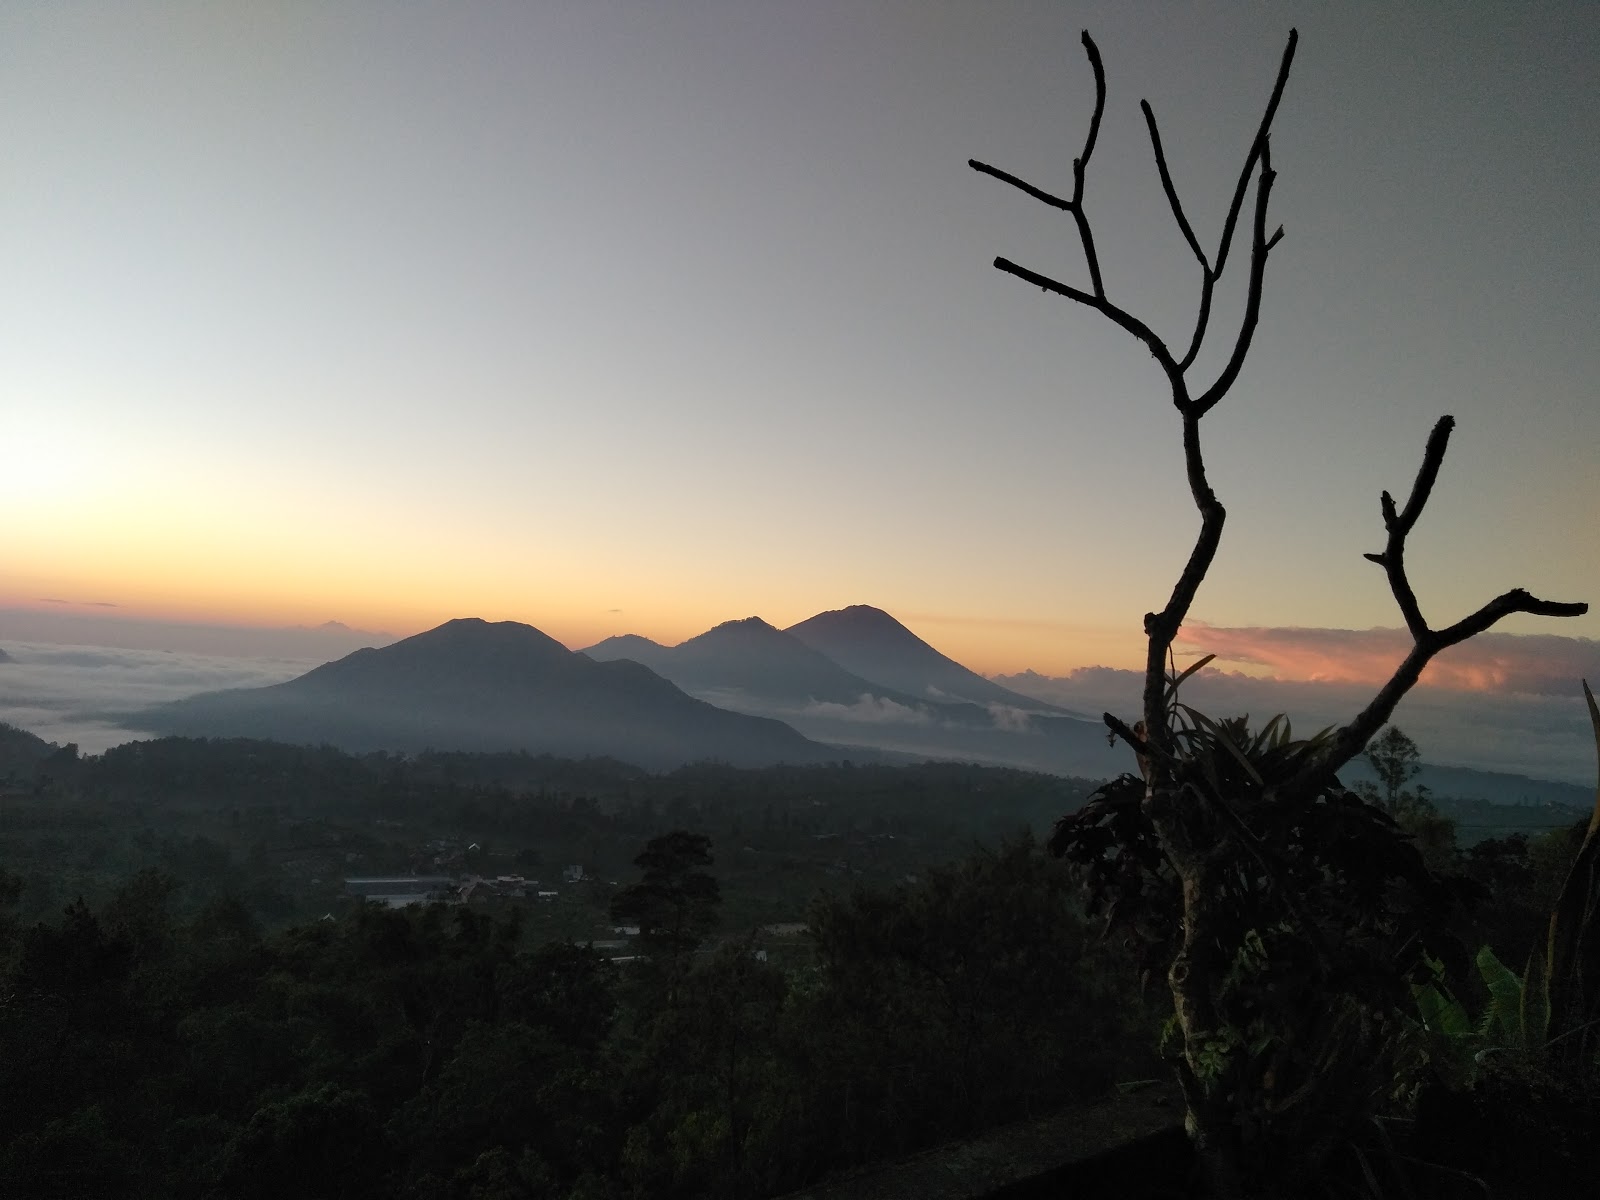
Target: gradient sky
{"x":639,"y":317}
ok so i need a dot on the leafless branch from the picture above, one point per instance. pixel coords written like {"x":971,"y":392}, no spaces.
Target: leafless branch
{"x":1259,"y":248}
{"x":1352,"y":739}
{"x":1209,"y":273}
{"x":1020,"y":185}
{"x":1256,"y":148}
{"x":1100,"y":304}
{"x":1081,"y":164}
{"x":1172,"y":191}
{"x":1399,"y":525}
{"x":1162,"y":627}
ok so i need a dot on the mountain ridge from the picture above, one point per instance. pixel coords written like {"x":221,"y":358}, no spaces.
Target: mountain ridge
{"x":470,"y":684}
{"x":871,"y":643}
{"x":750,"y":658}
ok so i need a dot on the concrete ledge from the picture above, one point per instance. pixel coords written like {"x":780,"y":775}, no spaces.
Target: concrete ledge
{"x":1066,"y":1153}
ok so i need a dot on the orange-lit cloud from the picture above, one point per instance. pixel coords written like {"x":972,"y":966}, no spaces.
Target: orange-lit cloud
{"x":1539,"y":664}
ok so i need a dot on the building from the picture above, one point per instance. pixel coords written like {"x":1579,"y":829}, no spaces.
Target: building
{"x":399,"y":891}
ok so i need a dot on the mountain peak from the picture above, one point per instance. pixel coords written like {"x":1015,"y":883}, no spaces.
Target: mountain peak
{"x":858,"y":614}
{"x":742,"y":625}
{"x":874,"y":645}
{"x":857,"y":622}
{"x":472,"y":684}
{"x":467,"y":639}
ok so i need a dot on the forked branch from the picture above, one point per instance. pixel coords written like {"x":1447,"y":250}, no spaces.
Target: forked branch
{"x":1162,"y":627}
{"x":1209,"y":273}
{"x":1079,"y":166}
{"x":1211,"y":269}
{"x":1426,"y":641}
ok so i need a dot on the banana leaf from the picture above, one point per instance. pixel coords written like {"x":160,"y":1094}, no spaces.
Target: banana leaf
{"x":1573,"y":947}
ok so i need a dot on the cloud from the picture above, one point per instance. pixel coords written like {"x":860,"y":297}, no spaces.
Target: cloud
{"x":88,"y":625}
{"x":1009,"y":718}
{"x":1532,"y":664}
{"x":1546,"y":735}
{"x":870,"y":709}
{"x":73,"y":693}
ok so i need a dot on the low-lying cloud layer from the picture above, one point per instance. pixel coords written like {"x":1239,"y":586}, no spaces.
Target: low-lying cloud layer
{"x":874,"y":710}
{"x":73,"y":624}
{"x":72,"y":693}
{"x":1532,"y":664}
{"x":1542,"y":734}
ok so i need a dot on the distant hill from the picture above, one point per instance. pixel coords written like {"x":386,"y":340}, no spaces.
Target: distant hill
{"x":473,"y":685}
{"x":750,"y":666}
{"x":21,"y":752}
{"x":5,"y":658}
{"x":872,"y":644}
{"x":1493,"y":787}
{"x":631,"y":645}
{"x":752,"y":658}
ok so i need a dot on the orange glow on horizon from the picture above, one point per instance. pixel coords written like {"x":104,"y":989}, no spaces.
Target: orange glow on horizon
{"x":259,"y":600}
{"x":1491,"y":662}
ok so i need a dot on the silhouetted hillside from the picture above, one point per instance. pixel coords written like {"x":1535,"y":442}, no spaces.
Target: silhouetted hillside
{"x":752,"y":657}
{"x":630,"y":645}
{"x":21,"y":752}
{"x":871,"y":643}
{"x":751,"y":667}
{"x":473,"y":685}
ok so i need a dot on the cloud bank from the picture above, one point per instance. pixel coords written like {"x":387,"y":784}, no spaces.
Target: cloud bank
{"x":73,"y":625}
{"x":874,"y":710}
{"x":1530,"y":664}
{"x":1540,"y":731}
{"x":73,"y":693}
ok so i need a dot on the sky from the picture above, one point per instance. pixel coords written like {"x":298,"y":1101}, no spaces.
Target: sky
{"x":626,"y":317}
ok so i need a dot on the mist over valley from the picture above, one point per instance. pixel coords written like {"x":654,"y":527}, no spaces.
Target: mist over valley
{"x":850,"y":683}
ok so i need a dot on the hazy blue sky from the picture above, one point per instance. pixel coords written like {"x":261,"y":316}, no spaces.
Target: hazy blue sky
{"x":639,"y":317}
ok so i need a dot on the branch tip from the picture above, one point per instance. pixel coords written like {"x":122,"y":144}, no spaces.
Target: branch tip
{"x":1426,"y":642}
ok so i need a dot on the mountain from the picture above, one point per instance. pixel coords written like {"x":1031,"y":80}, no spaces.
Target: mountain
{"x":631,"y":645}
{"x":750,"y":666}
{"x":871,"y":643}
{"x":5,"y":658}
{"x":1491,"y":787}
{"x":749,"y":662}
{"x":473,"y":685}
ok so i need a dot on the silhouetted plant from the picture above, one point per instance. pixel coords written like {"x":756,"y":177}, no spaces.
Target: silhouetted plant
{"x":1206,"y":811}
{"x":1572,"y":951}
{"x":675,"y":901}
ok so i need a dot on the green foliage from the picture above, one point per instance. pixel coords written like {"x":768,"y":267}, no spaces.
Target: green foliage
{"x":675,"y":901}
{"x":1320,"y":914}
{"x":977,"y":990}
{"x":1573,"y":945}
{"x":427,"y":1053}
{"x":1518,"y":1015}
{"x":1395,"y":758}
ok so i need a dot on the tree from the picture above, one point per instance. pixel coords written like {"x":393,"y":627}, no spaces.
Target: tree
{"x":675,"y":902}
{"x":1209,"y":812}
{"x":1397,"y":761}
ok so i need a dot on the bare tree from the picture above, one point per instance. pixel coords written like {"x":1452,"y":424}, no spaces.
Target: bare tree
{"x":1201,"y":834}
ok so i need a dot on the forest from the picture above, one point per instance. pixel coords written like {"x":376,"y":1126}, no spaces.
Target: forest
{"x":833,"y":966}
